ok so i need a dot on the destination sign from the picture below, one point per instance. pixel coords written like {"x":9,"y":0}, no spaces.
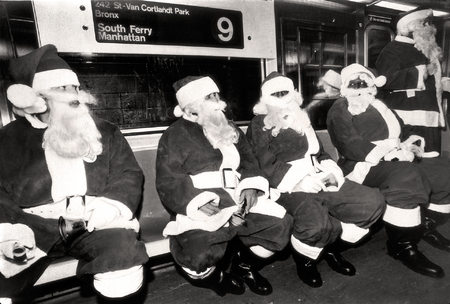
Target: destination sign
{"x":145,"y":22}
{"x":380,"y":19}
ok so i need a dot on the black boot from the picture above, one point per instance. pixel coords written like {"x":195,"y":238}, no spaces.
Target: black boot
{"x":402,"y":245}
{"x":431,"y":220}
{"x":332,"y":255}
{"x":246,"y":266}
{"x":307,"y":270}
{"x":220,"y":282}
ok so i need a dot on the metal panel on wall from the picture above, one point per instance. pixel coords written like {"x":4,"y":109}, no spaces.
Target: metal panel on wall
{"x":232,"y":28}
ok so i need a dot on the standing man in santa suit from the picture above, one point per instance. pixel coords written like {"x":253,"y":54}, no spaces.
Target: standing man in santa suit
{"x":292,"y":158}
{"x":414,"y":86}
{"x":376,"y":153}
{"x":208,"y":178}
{"x":57,"y":162}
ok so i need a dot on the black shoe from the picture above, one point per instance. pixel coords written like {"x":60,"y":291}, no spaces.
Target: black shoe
{"x":432,"y":236}
{"x":307,"y":270}
{"x":415,"y":260}
{"x":246,"y":266}
{"x":437,"y":240}
{"x":254,"y":280}
{"x":221,"y":283}
{"x":229,"y":283}
{"x":338,"y":263}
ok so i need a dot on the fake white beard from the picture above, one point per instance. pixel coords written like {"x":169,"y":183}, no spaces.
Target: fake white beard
{"x":291,"y":116}
{"x":359,"y":104}
{"x":71,"y":131}
{"x":359,"y":99}
{"x":216,"y":126}
{"x":425,"y":41}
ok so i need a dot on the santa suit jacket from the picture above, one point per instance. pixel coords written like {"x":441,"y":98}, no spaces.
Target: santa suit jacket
{"x":358,"y":138}
{"x":25,"y":180}
{"x":417,"y":107}
{"x":286,"y":158}
{"x":184,"y":152}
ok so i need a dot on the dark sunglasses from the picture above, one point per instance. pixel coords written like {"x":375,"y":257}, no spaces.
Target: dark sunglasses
{"x":357,"y":84}
{"x":427,"y":21}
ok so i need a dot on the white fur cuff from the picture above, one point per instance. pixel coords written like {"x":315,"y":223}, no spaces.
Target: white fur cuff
{"x":119,"y":283}
{"x":305,"y":249}
{"x":377,"y":153}
{"x":255,"y":182}
{"x":268,"y":207}
{"x":402,"y":217}
{"x":440,"y":208}
{"x":192,"y":209}
{"x":352,"y":233}
{"x":183,"y":223}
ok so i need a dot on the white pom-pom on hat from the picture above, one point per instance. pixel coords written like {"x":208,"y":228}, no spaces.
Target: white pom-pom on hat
{"x":25,"y":98}
{"x":380,"y":81}
{"x":22,"y":96}
{"x":177,"y":111}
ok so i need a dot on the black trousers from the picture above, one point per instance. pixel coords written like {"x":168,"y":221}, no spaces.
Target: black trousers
{"x":318,"y":216}
{"x":97,"y":252}
{"x":199,"y":249}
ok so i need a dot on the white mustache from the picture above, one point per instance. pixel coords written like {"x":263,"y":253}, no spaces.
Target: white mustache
{"x":68,"y":97}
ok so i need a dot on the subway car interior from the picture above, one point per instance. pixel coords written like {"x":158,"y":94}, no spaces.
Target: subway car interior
{"x":238,"y":43}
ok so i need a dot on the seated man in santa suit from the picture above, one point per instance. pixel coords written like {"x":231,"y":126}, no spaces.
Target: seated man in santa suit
{"x":326,"y":207}
{"x":209,"y":180}
{"x":375,"y":152}
{"x":58,"y":163}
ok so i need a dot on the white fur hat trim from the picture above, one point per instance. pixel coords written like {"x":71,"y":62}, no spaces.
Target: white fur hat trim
{"x":355,"y":68}
{"x":54,"y":78}
{"x":277,"y":84}
{"x":195,"y":90}
{"x":417,"y":15}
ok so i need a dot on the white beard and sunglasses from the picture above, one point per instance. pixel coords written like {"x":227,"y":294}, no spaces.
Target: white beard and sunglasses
{"x":360,"y":91}
{"x":210,"y":115}
{"x":71,"y":131}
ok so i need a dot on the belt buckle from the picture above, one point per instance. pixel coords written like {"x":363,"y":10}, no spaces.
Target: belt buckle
{"x":228,"y":178}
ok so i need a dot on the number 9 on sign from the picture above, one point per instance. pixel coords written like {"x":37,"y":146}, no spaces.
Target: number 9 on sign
{"x":225,"y":28}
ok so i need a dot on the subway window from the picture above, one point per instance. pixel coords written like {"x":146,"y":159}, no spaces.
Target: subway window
{"x":308,"y":52}
{"x":136,"y":92}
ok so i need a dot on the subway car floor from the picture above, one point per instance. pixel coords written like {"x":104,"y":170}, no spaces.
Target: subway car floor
{"x":379,"y":279}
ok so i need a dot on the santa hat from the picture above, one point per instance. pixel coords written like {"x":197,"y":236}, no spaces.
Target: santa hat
{"x":276,"y":82}
{"x":405,"y":18}
{"x":273,"y":83}
{"x":39,"y":70}
{"x":191,"y":89}
{"x":355,"y":68}
{"x":331,"y":78}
